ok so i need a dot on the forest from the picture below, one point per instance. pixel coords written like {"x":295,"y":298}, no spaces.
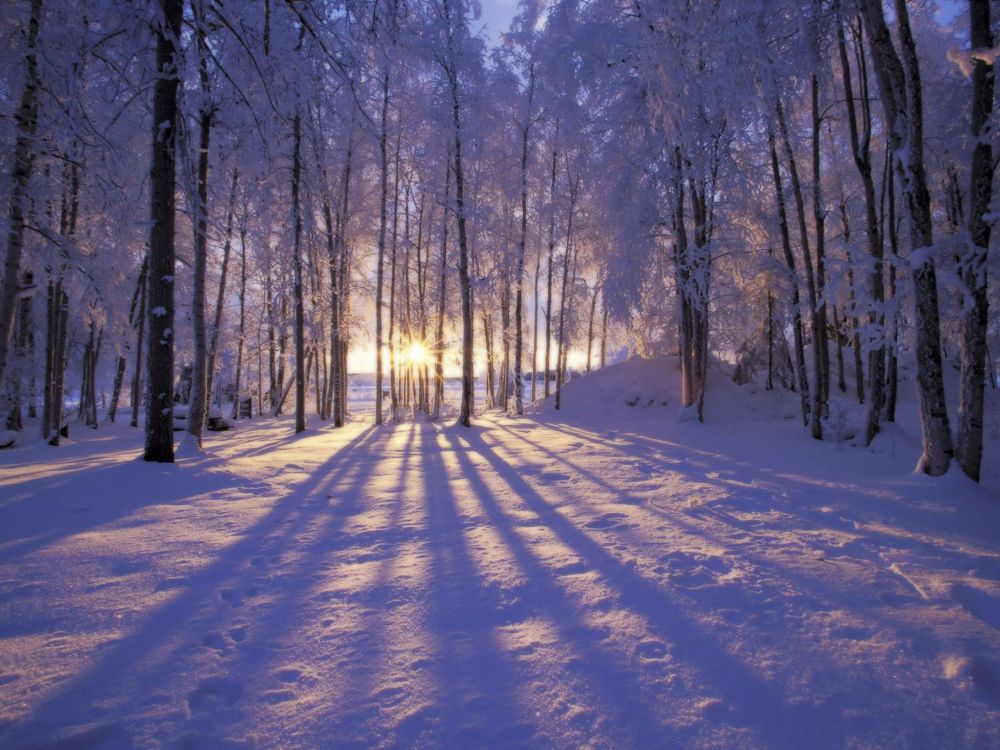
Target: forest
{"x":798,"y":189}
{"x":549,"y":373}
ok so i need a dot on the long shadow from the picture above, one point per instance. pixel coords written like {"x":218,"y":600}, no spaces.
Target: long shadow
{"x":470,"y":670}
{"x":760,"y":494}
{"x":74,"y":703}
{"x":634,"y":713}
{"x":746,"y":695}
{"x":767,"y":589}
{"x":385,"y":545}
{"x":762,"y":486}
{"x":299,"y":605}
{"x":58,"y":507}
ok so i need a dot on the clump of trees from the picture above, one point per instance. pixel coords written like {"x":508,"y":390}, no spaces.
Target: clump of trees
{"x":258,"y":188}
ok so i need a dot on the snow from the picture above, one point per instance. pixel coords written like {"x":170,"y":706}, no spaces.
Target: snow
{"x":602,"y":576}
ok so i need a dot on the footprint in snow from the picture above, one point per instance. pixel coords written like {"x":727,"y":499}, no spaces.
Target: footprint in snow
{"x":553,"y":476}
{"x":606,"y":521}
{"x":289,"y":674}
{"x":238,"y":634}
{"x":231,"y":597}
{"x":390,"y":696}
{"x":216,"y":642}
{"x":214,"y":692}
{"x":695,"y":571}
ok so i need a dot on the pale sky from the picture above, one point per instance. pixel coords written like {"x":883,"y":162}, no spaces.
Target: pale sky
{"x":497,"y":15}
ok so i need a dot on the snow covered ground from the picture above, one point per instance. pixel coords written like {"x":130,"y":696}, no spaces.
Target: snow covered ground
{"x":603,"y":576}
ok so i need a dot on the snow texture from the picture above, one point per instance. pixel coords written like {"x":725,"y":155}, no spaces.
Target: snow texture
{"x":601,"y":576}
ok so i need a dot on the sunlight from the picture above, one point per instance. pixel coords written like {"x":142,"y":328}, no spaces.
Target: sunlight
{"x":416,"y":354}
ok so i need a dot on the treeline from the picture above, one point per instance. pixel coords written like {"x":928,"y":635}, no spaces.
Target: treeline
{"x":259,"y":188}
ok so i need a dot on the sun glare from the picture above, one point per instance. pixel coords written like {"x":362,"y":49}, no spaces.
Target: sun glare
{"x":416,"y":354}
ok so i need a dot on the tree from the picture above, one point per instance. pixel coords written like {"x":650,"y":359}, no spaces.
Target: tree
{"x":160,"y":357}
{"x":898,"y":75}
{"x":975,"y":317}
{"x":24,"y":159}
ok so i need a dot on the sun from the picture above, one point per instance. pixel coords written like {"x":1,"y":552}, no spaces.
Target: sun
{"x":416,"y":354}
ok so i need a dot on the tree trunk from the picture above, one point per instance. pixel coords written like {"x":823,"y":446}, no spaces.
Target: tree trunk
{"x":198,"y":403}
{"x":561,"y":352}
{"x":273,"y":384}
{"x":590,"y":325}
{"x":393,"y":242}
{"x":861,"y":149}
{"x":300,"y":324}
{"x":140,"y":326}
{"x":382,"y":222}
{"x":160,"y":360}
{"x":819,"y":222}
{"x":551,"y":256}
{"x":818,"y":409}
{"x":465,"y":285}
{"x":442,"y":289}
{"x":26,"y":122}
{"x":213,"y":347}
{"x":975,"y":318}
{"x":55,"y":368}
{"x":521,"y":248}
{"x":604,"y":329}
{"x":786,"y":244}
{"x":839,"y":334}
{"x":121,"y":364}
{"x":899,"y":83}
{"x":339,"y":285}
{"x":241,"y":339}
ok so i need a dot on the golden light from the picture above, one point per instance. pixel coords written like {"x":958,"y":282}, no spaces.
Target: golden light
{"x":416,"y":354}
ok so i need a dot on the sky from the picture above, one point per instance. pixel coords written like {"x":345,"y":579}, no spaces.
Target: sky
{"x":496,"y":16}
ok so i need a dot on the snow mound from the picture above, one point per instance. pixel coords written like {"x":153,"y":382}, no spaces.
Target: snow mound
{"x":651,"y":387}
{"x":637,"y":383}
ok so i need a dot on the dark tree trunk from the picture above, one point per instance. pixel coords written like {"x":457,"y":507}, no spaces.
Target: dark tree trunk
{"x":442,"y":296}
{"x":198,"y":403}
{"x":241,"y":340}
{"x":464,"y":281}
{"x":818,"y":409}
{"x":551,"y":257}
{"x":26,"y":121}
{"x":300,"y":325}
{"x":969,"y":442}
{"x":382,"y":223}
{"x":213,"y":346}
{"x":160,"y":360}
{"x":861,"y":149}
{"x":786,"y":244}
{"x":521,"y":248}
{"x":899,"y":83}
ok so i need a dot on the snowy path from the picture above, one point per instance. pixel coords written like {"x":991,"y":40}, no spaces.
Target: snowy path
{"x":526,"y":583}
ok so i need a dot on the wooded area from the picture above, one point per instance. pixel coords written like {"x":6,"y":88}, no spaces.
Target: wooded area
{"x":255,"y":190}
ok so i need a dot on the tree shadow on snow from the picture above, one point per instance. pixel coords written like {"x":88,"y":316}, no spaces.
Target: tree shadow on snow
{"x":155,"y":654}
